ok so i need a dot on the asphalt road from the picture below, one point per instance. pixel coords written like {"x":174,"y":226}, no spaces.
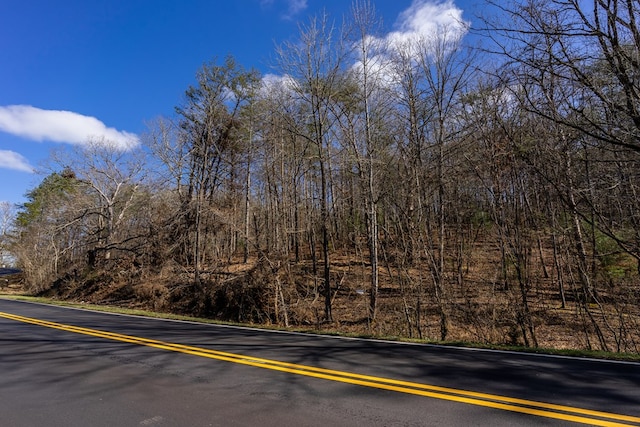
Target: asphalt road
{"x":148,"y":372}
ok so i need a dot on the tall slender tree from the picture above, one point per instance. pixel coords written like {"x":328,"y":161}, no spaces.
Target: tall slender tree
{"x":315,"y":64}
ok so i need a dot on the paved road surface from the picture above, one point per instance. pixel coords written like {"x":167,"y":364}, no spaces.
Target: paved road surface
{"x":66,"y":367}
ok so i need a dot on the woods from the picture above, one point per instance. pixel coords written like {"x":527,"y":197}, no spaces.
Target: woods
{"x":418,"y":187}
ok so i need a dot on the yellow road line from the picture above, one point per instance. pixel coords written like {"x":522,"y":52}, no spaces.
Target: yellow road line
{"x":566,"y":413}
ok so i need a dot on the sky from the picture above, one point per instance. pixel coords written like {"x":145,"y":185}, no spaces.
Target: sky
{"x":73,"y":71}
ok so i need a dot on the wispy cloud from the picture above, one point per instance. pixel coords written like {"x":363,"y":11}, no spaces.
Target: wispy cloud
{"x":292,"y":7}
{"x":295,"y":7}
{"x":62,"y":126}
{"x":15,"y":161}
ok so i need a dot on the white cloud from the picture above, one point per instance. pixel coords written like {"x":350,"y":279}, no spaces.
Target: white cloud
{"x":426,"y":19}
{"x":271,"y":82}
{"x":15,"y":161}
{"x":419,"y":29}
{"x":415,"y":30}
{"x":274,"y":85}
{"x":62,"y":126}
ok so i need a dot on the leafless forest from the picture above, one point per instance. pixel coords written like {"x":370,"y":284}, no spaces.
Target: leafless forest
{"x":480,"y":184}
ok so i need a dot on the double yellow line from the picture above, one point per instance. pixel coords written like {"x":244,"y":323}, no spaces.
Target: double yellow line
{"x":548,"y":410}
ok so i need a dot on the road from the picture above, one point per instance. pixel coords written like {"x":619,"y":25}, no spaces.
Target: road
{"x":69,"y":367}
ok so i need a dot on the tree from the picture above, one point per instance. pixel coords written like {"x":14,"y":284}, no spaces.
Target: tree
{"x":7,"y":218}
{"x":47,"y":229}
{"x":432,"y":74}
{"x":593,"y":52}
{"x":314,"y":63}
{"x":112,"y":179}
{"x":364,"y":112}
{"x":209,"y":122}
{"x":575,"y":64}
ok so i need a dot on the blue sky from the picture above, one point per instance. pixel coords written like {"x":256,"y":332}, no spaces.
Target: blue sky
{"x":75,"y":69}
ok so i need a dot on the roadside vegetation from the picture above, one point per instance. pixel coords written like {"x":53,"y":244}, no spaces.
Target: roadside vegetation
{"x":420,"y":189}
{"x":580,"y":353}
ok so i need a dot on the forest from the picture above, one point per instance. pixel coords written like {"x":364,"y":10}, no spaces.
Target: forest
{"x":427,"y":188}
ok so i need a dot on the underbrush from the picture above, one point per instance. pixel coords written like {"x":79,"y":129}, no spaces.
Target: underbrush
{"x":477,"y":310}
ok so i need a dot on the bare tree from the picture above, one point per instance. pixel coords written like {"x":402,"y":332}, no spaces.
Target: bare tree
{"x":432,"y":75}
{"x":574,"y":64}
{"x":369,"y":70}
{"x":591,"y":48}
{"x":315,"y":64}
